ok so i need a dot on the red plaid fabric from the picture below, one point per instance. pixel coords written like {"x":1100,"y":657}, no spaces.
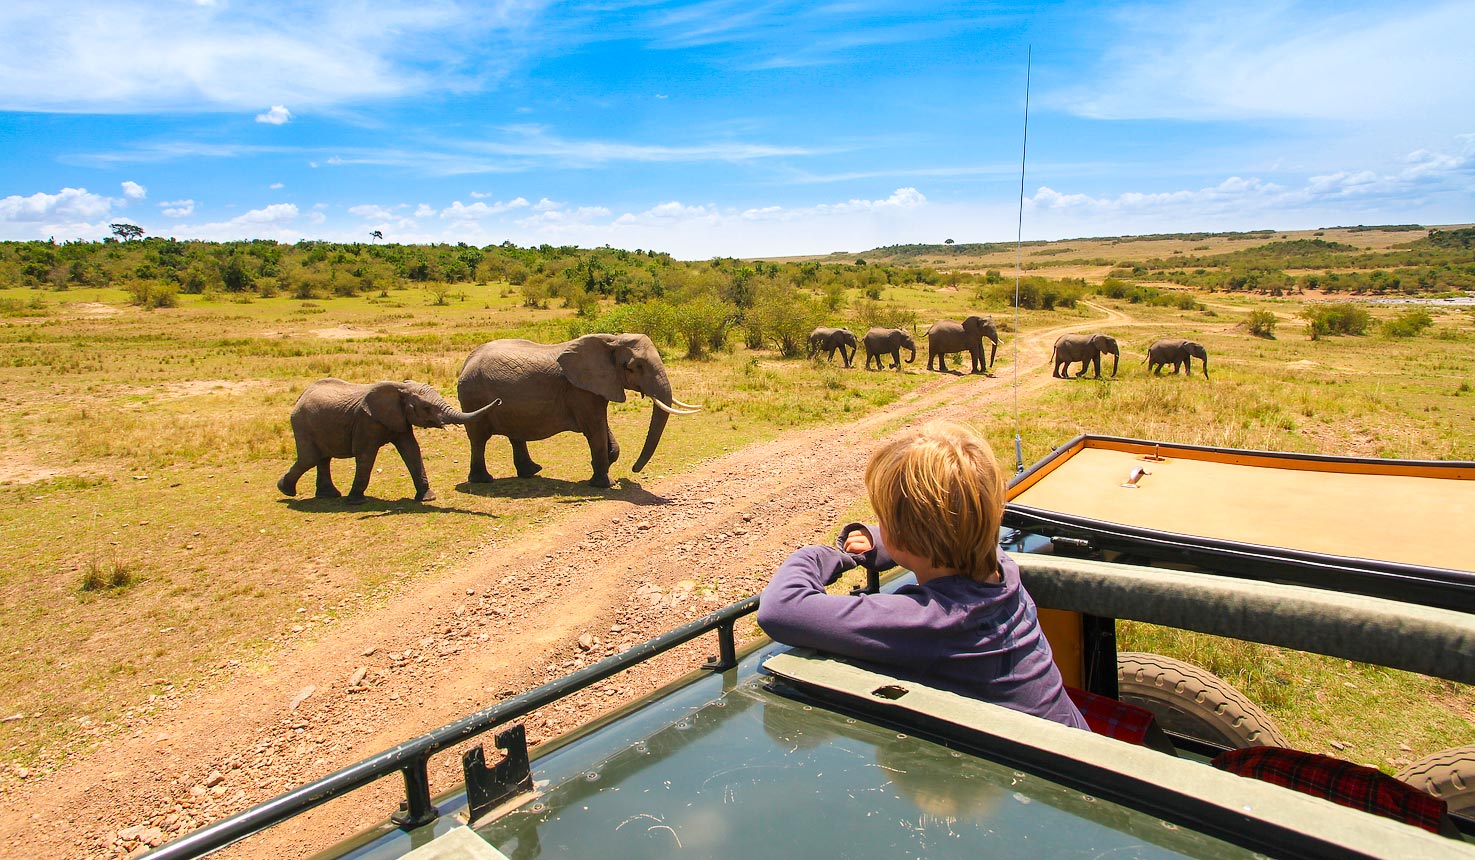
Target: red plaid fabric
{"x":1339,"y":781}
{"x":1107,"y":716}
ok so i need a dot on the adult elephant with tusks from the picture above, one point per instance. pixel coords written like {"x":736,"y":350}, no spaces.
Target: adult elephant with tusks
{"x":883,"y":341}
{"x":946,"y":337}
{"x":1177,"y":352}
{"x":559,"y":387}
{"x":1085,"y":348}
{"x":341,"y":419}
{"x":831,"y":339}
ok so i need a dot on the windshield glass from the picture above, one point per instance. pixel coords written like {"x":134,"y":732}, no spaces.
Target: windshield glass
{"x":743,"y":772}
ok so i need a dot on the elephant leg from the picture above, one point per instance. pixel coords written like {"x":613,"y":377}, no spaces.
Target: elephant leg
{"x":363,"y":470}
{"x":409,"y":451}
{"x":522,"y":460}
{"x":325,"y":488}
{"x":849,"y":357}
{"x":288,"y":482}
{"x":478,"y":435}
{"x":599,"y":458}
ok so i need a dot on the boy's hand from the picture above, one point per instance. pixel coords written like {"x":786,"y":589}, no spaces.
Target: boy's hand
{"x":858,"y":542}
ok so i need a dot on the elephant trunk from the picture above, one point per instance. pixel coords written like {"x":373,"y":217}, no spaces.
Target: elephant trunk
{"x":660,"y":391}
{"x":993,"y":351}
{"x":913,"y":356}
{"x":1206,"y":367}
{"x":455,"y":416}
{"x":1116,"y":358}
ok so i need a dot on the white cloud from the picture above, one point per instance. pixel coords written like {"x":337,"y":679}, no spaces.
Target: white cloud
{"x":1425,"y":173}
{"x":278,"y":115}
{"x":424,"y":210}
{"x":134,"y":191}
{"x":76,"y":204}
{"x":477,"y":211}
{"x":276,"y":186}
{"x":177,"y":208}
{"x":276,"y":221}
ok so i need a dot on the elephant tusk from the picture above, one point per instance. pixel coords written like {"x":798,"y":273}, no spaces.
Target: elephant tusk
{"x":679,"y":404}
{"x":668,"y":409}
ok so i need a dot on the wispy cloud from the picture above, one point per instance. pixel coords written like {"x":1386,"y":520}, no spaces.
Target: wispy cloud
{"x":793,"y":33}
{"x":177,"y":208}
{"x":515,"y":149}
{"x":1275,"y":60}
{"x":127,"y":56}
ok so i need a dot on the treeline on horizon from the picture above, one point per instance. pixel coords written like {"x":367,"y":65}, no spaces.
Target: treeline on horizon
{"x":602,"y":281}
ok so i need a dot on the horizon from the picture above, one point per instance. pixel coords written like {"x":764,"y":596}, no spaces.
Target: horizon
{"x":716,"y":129}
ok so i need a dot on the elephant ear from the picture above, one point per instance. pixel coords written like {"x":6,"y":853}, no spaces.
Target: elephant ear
{"x":589,"y":363}
{"x":385,"y":404}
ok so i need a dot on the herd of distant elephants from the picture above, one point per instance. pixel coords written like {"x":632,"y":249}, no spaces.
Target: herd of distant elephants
{"x":530,"y":391}
{"x":948,"y":337}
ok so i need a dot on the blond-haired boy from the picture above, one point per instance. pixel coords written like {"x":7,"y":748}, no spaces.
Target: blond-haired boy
{"x":967,"y":625}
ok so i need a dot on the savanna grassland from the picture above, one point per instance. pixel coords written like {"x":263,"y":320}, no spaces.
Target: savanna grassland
{"x":146,"y":392}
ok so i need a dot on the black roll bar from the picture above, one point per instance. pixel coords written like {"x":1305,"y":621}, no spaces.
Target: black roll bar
{"x":412,"y":758}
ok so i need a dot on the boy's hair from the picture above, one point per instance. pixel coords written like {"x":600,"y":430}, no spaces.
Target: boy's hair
{"x":938,"y":494}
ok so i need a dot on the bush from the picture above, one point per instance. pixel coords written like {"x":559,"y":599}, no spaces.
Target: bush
{"x":153,"y":294}
{"x":1340,"y":318}
{"x":1262,"y":324}
{"x":111,"y":575}
{"x":702,"y":324}
{"x":1408,"y":323}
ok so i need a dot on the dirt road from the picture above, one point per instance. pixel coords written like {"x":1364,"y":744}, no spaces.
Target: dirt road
{"x":604,"y":577}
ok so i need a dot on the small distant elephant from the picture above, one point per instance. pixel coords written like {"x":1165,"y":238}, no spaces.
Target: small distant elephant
{"x":831,"y":339}
{"x":559,"y":387}
{"x":337,"y":419}
{"x":1085,"y":348}
{"x":883,"y":341}
{"x":1179,"y":353}
{"x":946,"y":337}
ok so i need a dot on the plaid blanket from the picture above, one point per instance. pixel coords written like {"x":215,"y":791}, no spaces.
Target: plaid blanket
{"x":1339,"y":781}
{"x":1107,"y":716}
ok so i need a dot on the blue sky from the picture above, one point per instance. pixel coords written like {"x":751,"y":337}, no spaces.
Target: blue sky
{"x":728,"y":128}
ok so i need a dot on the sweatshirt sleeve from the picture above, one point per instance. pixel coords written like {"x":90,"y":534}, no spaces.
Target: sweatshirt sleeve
{"x":796,"y":610}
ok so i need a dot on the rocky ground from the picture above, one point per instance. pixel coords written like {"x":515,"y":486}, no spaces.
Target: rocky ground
{"x":517,"y":614}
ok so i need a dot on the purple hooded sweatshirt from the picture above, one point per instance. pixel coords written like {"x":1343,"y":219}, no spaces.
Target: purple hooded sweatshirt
{"x":976,"y":639}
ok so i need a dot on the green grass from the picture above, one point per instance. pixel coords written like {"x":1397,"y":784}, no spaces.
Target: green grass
{"x":145,"y":539}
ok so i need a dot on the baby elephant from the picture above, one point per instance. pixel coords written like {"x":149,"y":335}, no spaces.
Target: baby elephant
{"x":340,"y":419}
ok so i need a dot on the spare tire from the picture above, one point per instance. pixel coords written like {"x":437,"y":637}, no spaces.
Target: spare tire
{"x":1191,"y":702}
{"x":1449,"y":776}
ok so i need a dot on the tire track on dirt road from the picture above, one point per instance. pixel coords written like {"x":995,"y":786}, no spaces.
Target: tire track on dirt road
{"x":514,"y":614}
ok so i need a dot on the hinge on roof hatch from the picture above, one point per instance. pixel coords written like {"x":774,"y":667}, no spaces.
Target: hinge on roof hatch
{"x":488,"y":787}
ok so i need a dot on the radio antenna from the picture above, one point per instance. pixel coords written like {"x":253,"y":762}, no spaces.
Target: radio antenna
{"x":1019,"y":261}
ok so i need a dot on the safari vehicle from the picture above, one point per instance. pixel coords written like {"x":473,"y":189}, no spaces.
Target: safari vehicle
{"x":773,"y":751}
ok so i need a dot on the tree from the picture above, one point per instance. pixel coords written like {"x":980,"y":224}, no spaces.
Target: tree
{"x":377,"y":235}
{"x":127,"y":232}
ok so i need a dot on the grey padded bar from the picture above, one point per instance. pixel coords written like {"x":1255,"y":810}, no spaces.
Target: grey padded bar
{"x":1422,"y":639}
